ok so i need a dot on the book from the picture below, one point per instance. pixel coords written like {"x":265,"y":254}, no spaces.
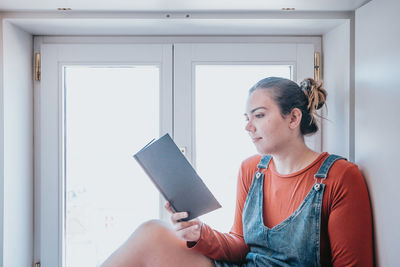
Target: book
{"x":175,"y":178}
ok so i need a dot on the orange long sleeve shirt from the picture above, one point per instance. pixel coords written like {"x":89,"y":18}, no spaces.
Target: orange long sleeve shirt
{"x":346,"y":221}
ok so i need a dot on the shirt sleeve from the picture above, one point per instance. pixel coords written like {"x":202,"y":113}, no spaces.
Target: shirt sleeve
{"x":227,"y":246}
{"x":350,"y":221}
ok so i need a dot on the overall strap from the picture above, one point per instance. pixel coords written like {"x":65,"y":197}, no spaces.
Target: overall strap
{"x":263,"y":164}
{"x":326,"y":165}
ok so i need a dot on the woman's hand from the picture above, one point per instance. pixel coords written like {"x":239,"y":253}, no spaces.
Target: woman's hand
{"x":187,"y":230}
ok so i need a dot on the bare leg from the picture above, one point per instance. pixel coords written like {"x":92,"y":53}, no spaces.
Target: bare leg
{"x":155,"y":244}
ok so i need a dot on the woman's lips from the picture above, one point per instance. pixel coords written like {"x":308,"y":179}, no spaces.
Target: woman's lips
{"x":255,"y":139}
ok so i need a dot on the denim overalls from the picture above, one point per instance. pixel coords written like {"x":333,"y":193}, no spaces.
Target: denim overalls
{"x":293,"y":242}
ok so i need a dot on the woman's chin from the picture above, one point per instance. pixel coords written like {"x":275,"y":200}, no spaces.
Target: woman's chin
{"x":262,"y":151}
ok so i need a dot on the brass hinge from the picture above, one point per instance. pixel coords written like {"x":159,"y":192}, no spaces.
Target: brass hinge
{"x":317,"y":66}
{"x":37,"y":68}
{"x":37,"y":264}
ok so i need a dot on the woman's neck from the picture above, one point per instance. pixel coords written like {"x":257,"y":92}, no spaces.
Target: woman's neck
{"x":294,"y":158}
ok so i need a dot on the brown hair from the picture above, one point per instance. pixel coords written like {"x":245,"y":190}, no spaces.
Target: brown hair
{"x":316,"y":95}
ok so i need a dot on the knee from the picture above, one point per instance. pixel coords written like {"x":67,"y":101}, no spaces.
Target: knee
{"x":153,"y":225}
{"x":153,"y":228}
{"x":139,"y":244}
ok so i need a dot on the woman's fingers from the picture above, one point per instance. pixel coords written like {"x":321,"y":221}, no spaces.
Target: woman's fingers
{"x":191,"y":233}
{"x":187,"y":230}
{"x":169,"y":208}
{"x":177,"y":216}
{"x":183,"y":225}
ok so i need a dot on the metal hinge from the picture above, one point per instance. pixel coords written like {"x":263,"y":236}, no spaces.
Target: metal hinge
{"x":37,"y":264}
{"x":37,"y":68}
{"x":317,"y":66}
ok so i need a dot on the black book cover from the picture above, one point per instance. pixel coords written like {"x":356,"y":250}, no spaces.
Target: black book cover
{"x":175,"y":178}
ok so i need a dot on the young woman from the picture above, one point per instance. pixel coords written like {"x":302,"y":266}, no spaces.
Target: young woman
{"x":295,"y":207}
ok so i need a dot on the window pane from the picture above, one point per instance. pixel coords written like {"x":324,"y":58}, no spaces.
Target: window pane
{"x":221,"y":140}
{"x":110,"y":112}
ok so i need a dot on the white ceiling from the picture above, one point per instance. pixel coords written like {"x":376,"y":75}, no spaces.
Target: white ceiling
{"x":177,"y":26}
{"x":180,"y":5}
{"x":178,"y":17}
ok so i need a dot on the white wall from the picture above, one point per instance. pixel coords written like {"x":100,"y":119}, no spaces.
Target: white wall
{"x":18,"y":147}
{"x":377,"y":122}
{"x":1,"y":144}
{"x":336,"y":78}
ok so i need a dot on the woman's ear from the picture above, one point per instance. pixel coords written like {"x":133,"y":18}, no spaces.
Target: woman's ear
{"x":295,"y":118}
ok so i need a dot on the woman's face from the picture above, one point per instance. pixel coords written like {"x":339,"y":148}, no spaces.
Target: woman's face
{"x":268,"y":129}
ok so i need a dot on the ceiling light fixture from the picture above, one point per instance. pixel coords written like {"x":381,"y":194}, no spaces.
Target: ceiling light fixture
{"x":288,"y":8}
{"x":64,"y":8}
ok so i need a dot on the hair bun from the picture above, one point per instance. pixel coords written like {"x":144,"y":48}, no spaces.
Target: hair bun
{"x":315,"y":93}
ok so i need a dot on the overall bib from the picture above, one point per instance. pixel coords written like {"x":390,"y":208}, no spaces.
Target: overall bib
{"x":293,"y":242}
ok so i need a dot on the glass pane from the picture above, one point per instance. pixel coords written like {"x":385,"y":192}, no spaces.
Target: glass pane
{"x":110,"y":113}
{"x":221,"y":140}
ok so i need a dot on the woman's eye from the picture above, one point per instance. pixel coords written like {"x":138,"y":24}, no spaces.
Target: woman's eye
{"x":259,"y":115}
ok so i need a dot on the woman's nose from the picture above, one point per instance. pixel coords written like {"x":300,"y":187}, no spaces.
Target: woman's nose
{"x":249,"y":126}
